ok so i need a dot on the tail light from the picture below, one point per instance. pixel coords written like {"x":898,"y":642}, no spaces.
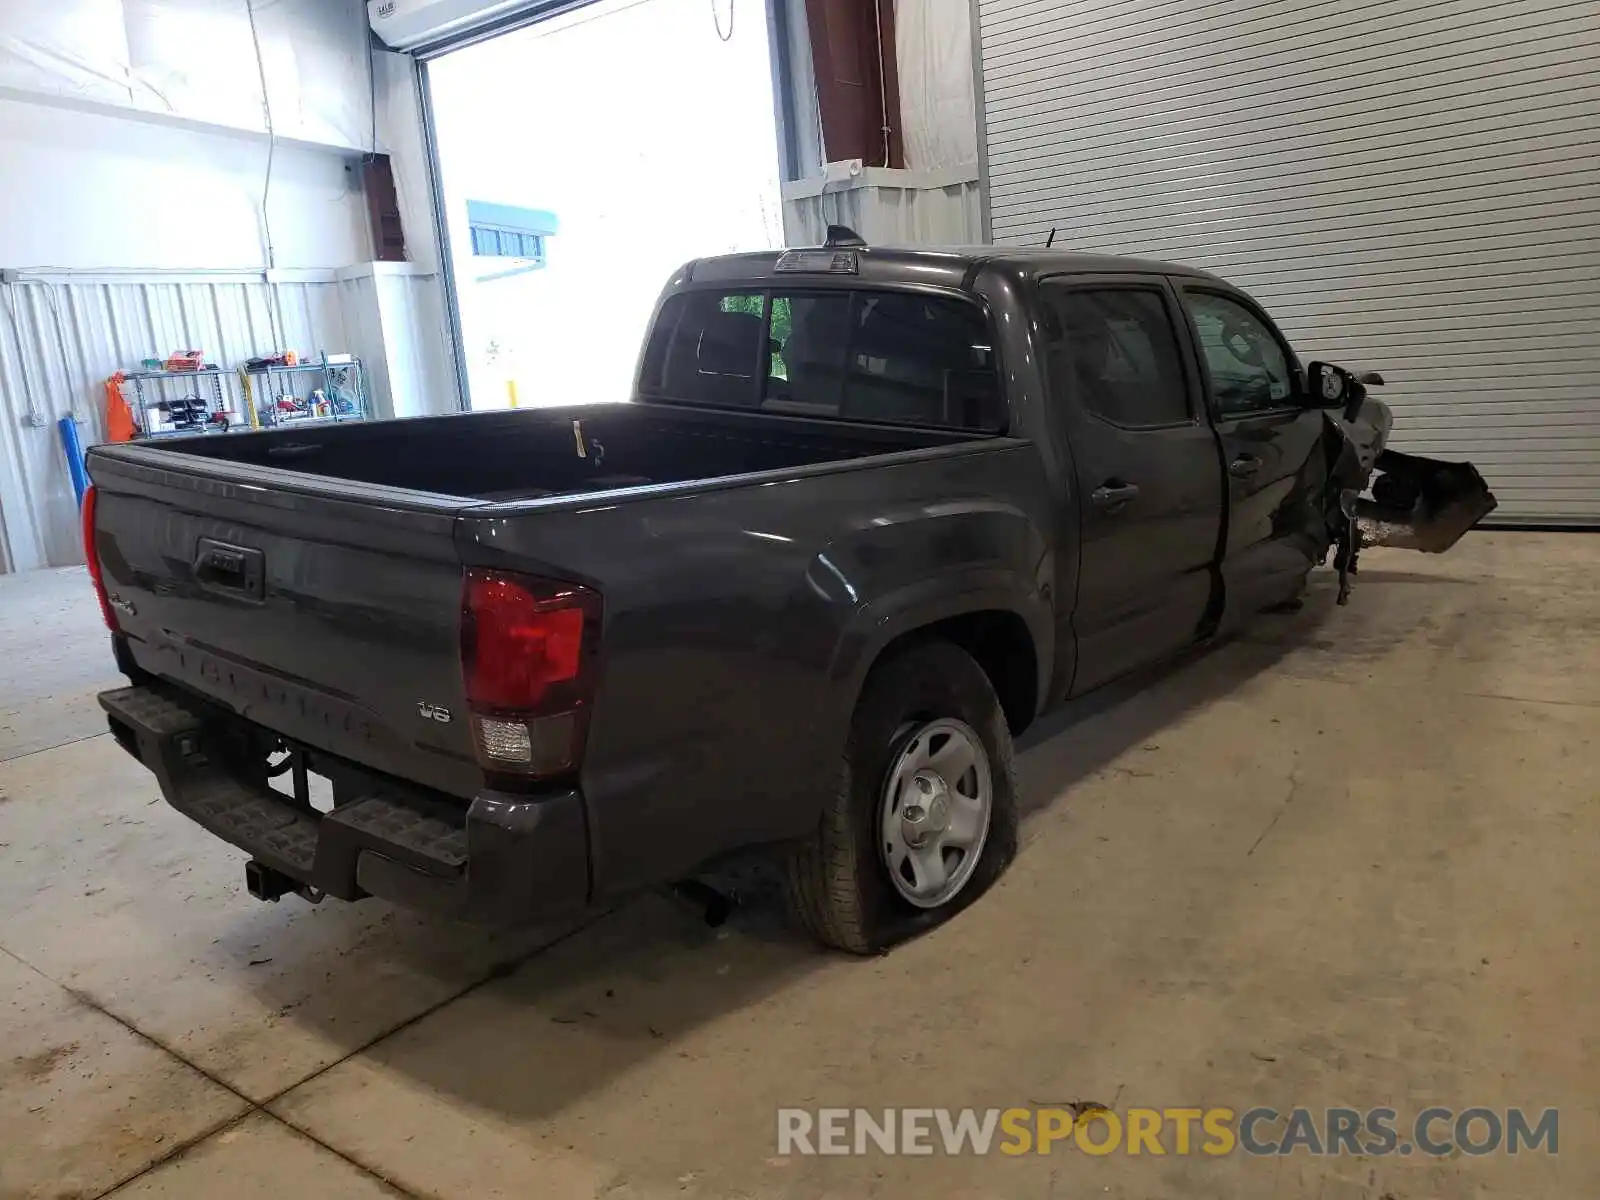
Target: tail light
{"x":91,"y":554}
{"x":527,"y":660}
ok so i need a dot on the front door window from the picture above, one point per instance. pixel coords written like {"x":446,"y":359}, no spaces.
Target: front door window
{"x":1247,"y":365}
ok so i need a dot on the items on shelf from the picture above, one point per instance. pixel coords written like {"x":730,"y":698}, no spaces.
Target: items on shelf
{"x":182,"y":394}
{"x":186,"y":360}
{"x":284,"y":389}
{"x":191,"y":413}
{"x":178,"y":360}
{"x":284,"y":358}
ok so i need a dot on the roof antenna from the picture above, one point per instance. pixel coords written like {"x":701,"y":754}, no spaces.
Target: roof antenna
{"x":1051,"y":240}
{"x":843,"y":235}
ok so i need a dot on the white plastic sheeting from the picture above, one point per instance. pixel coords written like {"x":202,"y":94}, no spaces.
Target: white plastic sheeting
{"x":195,"y":60}
{"x":933,"y":52}
{"x":59,"y":341}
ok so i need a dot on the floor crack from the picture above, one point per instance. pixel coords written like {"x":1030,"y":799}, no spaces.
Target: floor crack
{"x":252,"y":1106}
{"x":1294,"y":789}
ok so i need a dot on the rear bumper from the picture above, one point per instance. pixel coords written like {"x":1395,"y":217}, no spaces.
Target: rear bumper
{"x":507,"y":858}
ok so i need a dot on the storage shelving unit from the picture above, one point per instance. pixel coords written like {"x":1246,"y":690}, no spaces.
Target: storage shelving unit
{"x":150,"y":388}
{"x":342,"y":382}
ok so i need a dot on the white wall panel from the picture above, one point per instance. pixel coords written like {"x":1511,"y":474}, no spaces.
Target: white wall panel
{"x":1412,"y":186}
{"x":94,"y":191}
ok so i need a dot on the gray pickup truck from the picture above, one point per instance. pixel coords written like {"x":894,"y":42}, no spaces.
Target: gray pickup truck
{"x":868,"y":513}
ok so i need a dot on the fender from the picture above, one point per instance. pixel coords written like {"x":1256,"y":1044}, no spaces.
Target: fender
{"x":877,"y":623}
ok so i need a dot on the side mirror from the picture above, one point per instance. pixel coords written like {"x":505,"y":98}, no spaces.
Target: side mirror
{"x":1328,"y":386}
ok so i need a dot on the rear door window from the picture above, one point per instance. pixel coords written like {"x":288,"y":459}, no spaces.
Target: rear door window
{"x":1116,"y":354}
{"x":885,"y":357}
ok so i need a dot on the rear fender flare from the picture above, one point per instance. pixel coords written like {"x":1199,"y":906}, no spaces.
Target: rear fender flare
{"x":878,"y":623}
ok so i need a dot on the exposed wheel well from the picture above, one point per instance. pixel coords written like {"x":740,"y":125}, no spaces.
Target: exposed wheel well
{"x":1000,"y":643}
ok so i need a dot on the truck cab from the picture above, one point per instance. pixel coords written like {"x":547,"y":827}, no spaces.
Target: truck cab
{"x":1170,"y":415}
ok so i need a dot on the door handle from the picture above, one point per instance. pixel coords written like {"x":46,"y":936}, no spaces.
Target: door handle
{"x":1109,"y":497}
{"x":1244,"y":466}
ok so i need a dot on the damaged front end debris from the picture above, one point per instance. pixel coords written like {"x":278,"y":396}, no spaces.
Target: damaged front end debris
{"x":1422,"y":503}
{"x":1415,"y":503}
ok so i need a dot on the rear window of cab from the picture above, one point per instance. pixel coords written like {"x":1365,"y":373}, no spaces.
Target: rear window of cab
{"x":899,"y":358}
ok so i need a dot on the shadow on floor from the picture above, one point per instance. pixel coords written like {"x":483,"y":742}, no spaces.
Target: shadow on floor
{"x":1086,"y":735}
{"x":636,"y":984}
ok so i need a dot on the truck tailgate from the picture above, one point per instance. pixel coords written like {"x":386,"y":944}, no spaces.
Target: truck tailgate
{"x":328,"y":611}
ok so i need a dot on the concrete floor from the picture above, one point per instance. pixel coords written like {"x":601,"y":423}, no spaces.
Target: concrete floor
{"x":1349,"y":859}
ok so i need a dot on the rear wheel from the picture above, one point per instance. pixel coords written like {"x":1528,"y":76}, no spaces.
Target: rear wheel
{"x":925,"y":817}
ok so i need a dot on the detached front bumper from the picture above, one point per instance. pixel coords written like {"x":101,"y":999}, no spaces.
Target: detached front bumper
{"x":1422,"y":503}
{"x":505,"y":858}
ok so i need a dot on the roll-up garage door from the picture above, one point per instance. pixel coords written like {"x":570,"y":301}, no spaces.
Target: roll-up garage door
{"x":1413,"y":187}
{"x":430,"y":27}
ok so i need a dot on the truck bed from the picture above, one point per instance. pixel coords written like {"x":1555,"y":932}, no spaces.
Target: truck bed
{"x":533,"y":454}
{"x":311,"y":580}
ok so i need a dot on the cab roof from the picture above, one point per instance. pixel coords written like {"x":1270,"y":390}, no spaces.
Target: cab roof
{"x":950,"y":266}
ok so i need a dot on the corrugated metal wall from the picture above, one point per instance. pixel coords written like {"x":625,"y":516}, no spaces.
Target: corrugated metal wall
{"x":60,"y":340}
{"x":1410,"y":186}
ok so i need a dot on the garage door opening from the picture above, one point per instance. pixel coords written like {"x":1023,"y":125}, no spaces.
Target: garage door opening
{"x":582,"y":160}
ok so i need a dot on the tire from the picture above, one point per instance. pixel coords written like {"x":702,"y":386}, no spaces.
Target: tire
{"x":837,"y":883}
